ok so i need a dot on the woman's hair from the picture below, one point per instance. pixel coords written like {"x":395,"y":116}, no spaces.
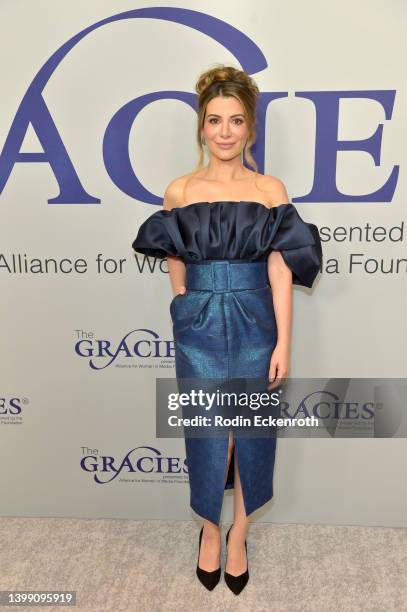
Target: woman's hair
{"x":225,"y":81}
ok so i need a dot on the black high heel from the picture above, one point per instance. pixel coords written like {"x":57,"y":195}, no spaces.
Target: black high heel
{"x":208,"y":579}
{"x":236,"y":583}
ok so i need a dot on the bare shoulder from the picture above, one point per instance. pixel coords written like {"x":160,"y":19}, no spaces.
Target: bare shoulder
{"x":174,"y":193}
{"x":275,"y":189}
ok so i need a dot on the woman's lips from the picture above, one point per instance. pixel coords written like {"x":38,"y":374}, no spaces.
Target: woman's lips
{"x":226,"y":145}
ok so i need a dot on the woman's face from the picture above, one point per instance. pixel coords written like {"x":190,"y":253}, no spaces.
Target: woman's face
{"x":225,"y":128}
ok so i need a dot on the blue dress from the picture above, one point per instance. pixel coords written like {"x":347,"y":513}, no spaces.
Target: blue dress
{"x":224,"y":326}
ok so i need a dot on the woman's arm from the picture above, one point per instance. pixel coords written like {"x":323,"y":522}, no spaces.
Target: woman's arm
{"x":176,"y":266}
{"x":177,"y":270}
{"x":280,"y":277}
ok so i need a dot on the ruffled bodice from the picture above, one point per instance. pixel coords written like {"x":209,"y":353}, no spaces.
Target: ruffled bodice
{"x":229,"y":230}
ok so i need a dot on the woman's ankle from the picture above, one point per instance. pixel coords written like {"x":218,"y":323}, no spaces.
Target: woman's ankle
{"x":210,"y":530}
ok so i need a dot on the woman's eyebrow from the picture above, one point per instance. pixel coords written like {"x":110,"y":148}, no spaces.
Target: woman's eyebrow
{"x":236,"y":115}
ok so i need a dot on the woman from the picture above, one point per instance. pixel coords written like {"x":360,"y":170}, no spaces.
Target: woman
{"x":235,"y":245}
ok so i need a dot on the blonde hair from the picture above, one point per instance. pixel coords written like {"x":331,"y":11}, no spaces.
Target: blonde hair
{"x":225,"y":81}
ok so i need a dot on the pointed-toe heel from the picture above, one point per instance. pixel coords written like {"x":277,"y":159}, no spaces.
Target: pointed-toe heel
{"x":208,"y":579}
{"x":236,"y":583}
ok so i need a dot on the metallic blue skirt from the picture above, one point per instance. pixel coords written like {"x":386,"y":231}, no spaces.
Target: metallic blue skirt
{"x":224,"y":328}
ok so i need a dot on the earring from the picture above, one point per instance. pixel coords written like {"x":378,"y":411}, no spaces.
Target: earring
{"x":203,"y":141}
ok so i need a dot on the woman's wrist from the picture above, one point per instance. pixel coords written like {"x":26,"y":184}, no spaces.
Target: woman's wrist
{"x":180,"y":290}
{"x":283,"y":345}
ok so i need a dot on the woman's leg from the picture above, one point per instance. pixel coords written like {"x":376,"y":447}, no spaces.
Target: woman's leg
{"x":236,"y":557}
{"x":209,"y":558}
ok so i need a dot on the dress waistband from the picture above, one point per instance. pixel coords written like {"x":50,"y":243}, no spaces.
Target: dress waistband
{"x":226,"y":275}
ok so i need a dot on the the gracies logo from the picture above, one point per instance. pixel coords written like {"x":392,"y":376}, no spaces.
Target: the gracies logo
{"x":145,"y":343}
{"x":148,"y":460}
{"x":34,"y":111}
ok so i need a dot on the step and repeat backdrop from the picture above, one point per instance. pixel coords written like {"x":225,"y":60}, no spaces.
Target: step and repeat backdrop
{"x":97,"y":117}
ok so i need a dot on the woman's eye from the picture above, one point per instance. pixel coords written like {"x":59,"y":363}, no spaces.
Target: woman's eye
{"x":239,"y":121}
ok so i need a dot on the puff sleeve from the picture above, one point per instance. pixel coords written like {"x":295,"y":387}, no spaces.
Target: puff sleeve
{"x":154,"y":236}
{"x":300,"y":245}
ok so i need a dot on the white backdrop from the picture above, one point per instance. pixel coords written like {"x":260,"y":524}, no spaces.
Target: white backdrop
{"x":77,"y":393}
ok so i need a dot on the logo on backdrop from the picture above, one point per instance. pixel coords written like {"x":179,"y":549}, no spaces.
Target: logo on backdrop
{"x":138,"y":465}
{"x":142,"y":343}
{"x":11,"y":410}
{"x":33,"y":111}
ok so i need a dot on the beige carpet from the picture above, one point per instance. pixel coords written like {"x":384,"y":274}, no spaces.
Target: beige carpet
{"x":122,"y":565}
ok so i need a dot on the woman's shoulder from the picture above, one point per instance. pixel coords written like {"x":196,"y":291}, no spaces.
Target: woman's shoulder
{"x":174,"y":192}
{"x":274,"y":189}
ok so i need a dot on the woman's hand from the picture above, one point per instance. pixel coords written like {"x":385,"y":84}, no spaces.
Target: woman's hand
{"x":181,"y":290}
{"x":279,"y":365}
